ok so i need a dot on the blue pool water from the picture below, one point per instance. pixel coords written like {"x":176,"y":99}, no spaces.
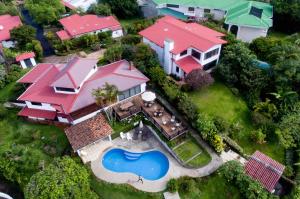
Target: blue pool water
{"x":150,"y":165}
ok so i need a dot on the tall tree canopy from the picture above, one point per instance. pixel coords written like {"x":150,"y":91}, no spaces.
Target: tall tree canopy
{"x":45,"y":11}
{"x":64,"y":178}
{"x":123,"y":8}
{"x":23,"y":35}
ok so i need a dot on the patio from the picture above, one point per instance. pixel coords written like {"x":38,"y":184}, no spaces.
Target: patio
{"x":155,"y":112}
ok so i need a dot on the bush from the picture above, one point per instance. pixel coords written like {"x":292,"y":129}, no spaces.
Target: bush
{"x":233,"y":144}
{"x":186,"y":185}
{"x":187,"y":107}
{"x":157,"y":75}
{"x":172,"y":185}
{"x":100,"y":9}
{"x":114,"y":53}
{"x":198,"y":78}
{"x":258,"y":136}
{"x":131,"y":39}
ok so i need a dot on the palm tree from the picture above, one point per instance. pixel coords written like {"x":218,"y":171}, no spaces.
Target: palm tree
{"x":107,"y":94}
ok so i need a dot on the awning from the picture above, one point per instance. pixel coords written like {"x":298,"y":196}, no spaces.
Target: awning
{"x":188,"y":64}
{"x":36,"y":113}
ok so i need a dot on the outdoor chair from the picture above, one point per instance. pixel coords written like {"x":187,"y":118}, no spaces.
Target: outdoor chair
{"x":178,"y":124}
{"x":173,"y":119}
{"x":122,"y":135}
{"x":129,"y":136}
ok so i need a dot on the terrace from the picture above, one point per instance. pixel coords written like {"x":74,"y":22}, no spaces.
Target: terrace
{"x":155,"y":112}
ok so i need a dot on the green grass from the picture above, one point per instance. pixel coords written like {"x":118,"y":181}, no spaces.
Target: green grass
{"x":113,"y":191}
{"x":210,"y":187}
{"x":188,"y":149}
{"x":218,"y":100}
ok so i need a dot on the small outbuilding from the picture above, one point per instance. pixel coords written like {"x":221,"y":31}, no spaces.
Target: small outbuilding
{"x":265,"y":170}
{"x":26,"y":60}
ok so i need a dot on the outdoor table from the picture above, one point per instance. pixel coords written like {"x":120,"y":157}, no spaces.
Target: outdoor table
{"x":126,"y":106}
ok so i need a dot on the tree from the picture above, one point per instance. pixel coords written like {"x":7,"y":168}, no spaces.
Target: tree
{"x":100,"y":9}
{"x":145,"y":57}
{"x":64,"y":178}
{"x":123,"y":8}
{"x":286,"y":66}
{"x":113,"y":53}
{"x":45,"y":12}
{"x":157,"y":75}
{"x":262,"y":46}
{"x":2,"y":76}
{"x":36,"y":47}
{"x":107,"y":94}
{"x":8,"y":8}
{"x":285,"y":99}
{"x":289,"y":129}
{"x":23,"y":34}
{"x":198,"y":78}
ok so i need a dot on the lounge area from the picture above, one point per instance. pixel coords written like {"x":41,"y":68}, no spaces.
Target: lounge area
{"x":155,"y":112}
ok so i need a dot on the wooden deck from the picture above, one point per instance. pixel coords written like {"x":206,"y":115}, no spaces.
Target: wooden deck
{"x":171,"y":129}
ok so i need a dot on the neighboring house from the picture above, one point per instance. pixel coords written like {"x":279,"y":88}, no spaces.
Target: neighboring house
{"x":265,"y":170}
{"x":246,"y":19}
{"x":182,"y":47}
{"x":63,"y":92}
{"x":26,"y":60}
{"x":76,"y":26}
{"x":7,"y":23}
{"x":81,"y":4}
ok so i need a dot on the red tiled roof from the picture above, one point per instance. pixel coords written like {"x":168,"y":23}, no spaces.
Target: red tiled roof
{"x":63,"y":35}
{"x":75,"y":25}
{"x":24,"y":56}
{"x":264,"y":169}
{"x":28,"y":112}
{"x":188,"y":63}
{"x":88,"y":132}
{"x":43,"y":76}
{"x":183,"y":34}
{"x":7,"y":23}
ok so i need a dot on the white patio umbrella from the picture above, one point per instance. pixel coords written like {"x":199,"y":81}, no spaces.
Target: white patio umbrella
{"x":148,"y":96}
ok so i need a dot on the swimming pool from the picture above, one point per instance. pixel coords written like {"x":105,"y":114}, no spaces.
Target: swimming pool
{"x":151,"y":165}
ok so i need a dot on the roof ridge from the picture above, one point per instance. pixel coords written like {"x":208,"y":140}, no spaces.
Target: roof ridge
{"x":194,"y":34}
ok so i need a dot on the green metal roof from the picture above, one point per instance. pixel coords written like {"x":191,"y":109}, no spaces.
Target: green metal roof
{"x":167,"y":11}
{"x":240,"y":15}
{"x":212,"y":4}
{"x":238,"y":11}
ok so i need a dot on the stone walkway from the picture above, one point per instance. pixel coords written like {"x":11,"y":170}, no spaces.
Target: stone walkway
{"x":168,"y":195}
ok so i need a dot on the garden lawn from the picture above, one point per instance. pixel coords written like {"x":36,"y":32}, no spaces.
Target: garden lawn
{"x":218,"y":100}
{"x":116,"y":191}
{"x":210,"y":187}
{"x":188,"y":149}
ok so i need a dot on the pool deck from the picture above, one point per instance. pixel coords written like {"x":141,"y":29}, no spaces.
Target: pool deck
{"x":175,"y":169}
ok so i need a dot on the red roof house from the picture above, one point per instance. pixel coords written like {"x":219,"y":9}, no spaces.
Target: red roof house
{"x":264,"y":169}
{"x":67,"y":88}
{"x":76,"y":25}
{"x":174,"y":40}
{"x":7,"y":23}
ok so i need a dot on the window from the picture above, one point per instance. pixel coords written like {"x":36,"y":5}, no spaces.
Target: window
{"x":196,"y":54}
{"x":256,"y":12}
{"x":211,"y":53}
{"x":130,"y":92}
{"x":36,"y":103}
{"x":183,"y":53}
{"x":172,"y":6}
{"x":191,"y":9}
{"x":65,"y":89}
{"x":177,"y":69}
{"x":206,"y":10}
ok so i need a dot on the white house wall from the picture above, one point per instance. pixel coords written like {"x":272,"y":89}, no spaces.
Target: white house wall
{"x":117,"y":33}
{"x":247,"y":34}
{"x":159,"y":50}
{"x":44,"y":106}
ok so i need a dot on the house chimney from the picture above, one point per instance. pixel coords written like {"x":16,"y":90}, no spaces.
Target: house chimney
{"x":130,"y":65}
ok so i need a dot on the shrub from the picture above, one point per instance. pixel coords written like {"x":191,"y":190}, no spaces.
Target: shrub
{"x":172,"y":185}
{"x":233,"y":144}
{"x":131,"y":39}
{"x":217,"y":143}
{"x":100,"y":9}
{"x":171,"y":90}
{"x":186,"y":185}
{"x":157,"y":75}
{"x":198,"y":78}
{"x":187,"y":107}
{"x":221,"y":124}
{"x":114,"y":53}
{"x":258,"y":136}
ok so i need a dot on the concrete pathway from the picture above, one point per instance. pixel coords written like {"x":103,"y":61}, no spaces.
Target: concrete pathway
{"x":168,"y":195}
